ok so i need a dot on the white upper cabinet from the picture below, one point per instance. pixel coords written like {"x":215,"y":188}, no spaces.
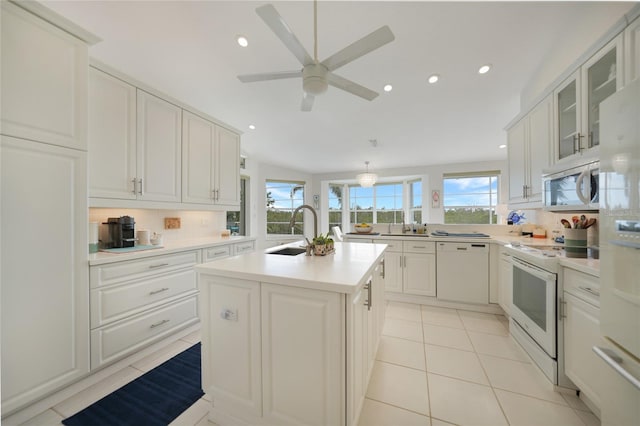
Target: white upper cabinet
{"x":159,"y":134}
{"x":210,"y":163}
{"x":529,"y":143}
{"x":577,"y":101}
{"x":112,"y":137}
{"x":227,"y":167}
{"x":44,"y":81}
{"x":632,"y":51}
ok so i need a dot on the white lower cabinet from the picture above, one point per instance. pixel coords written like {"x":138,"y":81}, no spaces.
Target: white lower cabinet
{"x":244,"y":247}
{"x":411,"y":267}
{"x":44,"y":314}
{"x":281,"y":355}
{"x":581,"y":334}
{"x":137,"y":302}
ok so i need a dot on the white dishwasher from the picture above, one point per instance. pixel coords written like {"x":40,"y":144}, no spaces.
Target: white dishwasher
{"x":463,"y":272}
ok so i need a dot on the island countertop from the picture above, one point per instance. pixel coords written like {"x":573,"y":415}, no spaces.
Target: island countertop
{"x":343,"y":271}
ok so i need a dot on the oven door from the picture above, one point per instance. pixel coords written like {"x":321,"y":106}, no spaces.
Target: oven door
{"x":534,"y":303}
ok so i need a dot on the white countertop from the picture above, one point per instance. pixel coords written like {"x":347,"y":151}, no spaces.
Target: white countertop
{"x":102,"y":257}
{"x":343,"y":271}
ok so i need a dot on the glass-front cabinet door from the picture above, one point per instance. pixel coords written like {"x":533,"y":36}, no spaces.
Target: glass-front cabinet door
{"x":602,"y":76}
{"x":567,"y":102}
{"x":577,"y":100}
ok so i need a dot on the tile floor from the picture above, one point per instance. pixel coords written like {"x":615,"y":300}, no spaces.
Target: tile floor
{"x":435,"y":366}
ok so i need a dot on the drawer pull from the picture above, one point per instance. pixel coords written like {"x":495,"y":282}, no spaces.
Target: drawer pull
{"x":151,"y":293}
{"x":219,"y":253}
{"x":158,"y":324}
{"x":590,"y":290}
{"x":158,"y":266}
{"x":424,"y":247}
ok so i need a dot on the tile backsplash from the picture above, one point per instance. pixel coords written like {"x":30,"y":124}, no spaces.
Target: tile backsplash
{"x":193,"y":224}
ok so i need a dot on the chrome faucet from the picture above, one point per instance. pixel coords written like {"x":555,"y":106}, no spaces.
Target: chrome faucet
{"x":292,"y":222}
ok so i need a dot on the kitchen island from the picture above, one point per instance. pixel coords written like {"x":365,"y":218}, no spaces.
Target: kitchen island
{"x":291,"y":339}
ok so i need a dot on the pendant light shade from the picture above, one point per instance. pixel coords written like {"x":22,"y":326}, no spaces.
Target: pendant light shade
{"x":367,"y":179}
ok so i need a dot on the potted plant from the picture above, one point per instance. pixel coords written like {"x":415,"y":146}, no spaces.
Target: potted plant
{"x":322,"y":245}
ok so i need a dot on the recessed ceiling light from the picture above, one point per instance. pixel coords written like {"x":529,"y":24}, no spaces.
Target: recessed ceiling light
{"x":252,"y":127}
{"x":242,"y":41}
{"x":503,"y":146}
{"x":484,"y":69}
{"x":388,"y":87}
{"x":433,"y":78}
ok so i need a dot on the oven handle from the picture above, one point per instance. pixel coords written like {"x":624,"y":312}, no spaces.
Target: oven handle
{"x":532,"y":269}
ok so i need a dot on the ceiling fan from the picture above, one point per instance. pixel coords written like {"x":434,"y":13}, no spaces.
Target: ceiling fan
{"x":316,"y":76}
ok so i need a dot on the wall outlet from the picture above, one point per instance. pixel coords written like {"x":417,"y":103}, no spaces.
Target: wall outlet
{"x":171,"y":223}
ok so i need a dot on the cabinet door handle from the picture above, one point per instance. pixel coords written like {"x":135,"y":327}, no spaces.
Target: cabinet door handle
{"x":158,"y":266}
{"x":213,"y":194}
{"x":590,"y":290}
{"x":368,"y":301}
{"x":140,"y":191}
{"x":158,"y":324}
{"x":151,"y":293}
{"x":383,"y":267}
{"x":135,"y":186}
{"x":614,"y":361}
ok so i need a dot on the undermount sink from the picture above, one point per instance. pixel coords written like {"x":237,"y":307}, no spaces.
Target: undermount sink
{"x":288,"y":251}
{"x":405,"y":235}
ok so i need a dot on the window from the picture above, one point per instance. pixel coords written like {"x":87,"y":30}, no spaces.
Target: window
{"x":470,"y":198}
{"x":237,"y":220}
{"x":335,"y":205}
{"x":282,"y":199}
{"x":381,"y":203}
{"x":415,"y":201}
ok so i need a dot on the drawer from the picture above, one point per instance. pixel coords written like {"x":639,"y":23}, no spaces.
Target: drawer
{"x":114,"y":273}
{"x":245,"y":247}
{"x":113,"y":303}
{"x":392,"y":245}
{"x":217,"y":252}
{"x":419,"y":247}
{"x":125,"y":337}
{"x":581,"y":285}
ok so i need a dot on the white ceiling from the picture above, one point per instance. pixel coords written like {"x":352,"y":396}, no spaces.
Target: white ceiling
{"x":188,"y":50}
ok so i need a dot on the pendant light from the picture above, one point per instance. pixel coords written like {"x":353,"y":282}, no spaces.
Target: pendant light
{"x":367,"y":179}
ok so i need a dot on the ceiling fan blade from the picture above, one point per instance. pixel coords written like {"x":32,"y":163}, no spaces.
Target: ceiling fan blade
{"x":351,"y":87}
{"x":248,"y":78}
{"x":366,"y":44}
{"x":272,"y":18}
{"x":307,"y":102}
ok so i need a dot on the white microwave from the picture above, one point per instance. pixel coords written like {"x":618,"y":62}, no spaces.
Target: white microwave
{"x":575,"y":188}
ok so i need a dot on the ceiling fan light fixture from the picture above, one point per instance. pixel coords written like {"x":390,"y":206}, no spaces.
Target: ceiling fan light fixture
{"x":366,"y":179}
{"x":314,"y":79}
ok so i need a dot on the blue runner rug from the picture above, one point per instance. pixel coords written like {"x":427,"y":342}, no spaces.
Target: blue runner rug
{"x":155,"y":398}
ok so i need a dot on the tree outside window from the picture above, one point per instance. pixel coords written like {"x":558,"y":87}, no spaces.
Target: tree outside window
{"x":471,"y":198}
{"x":335,"y":205}
{"x":282,"y":198}
{"x":415,"y":200}
{"x":381,"y":203}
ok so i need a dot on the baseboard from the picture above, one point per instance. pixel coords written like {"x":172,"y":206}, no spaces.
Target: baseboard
{"x":34,"y":409}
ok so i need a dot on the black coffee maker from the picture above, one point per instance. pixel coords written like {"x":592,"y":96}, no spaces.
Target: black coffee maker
{"x":121,"y":232}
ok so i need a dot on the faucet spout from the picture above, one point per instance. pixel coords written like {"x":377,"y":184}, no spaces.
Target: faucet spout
{"x":292,"y":222}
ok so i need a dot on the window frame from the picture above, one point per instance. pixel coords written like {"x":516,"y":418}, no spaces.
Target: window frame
{"x":300,"y":223}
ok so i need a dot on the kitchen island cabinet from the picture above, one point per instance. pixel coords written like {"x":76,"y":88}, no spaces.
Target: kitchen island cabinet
{"x":290,"y":339}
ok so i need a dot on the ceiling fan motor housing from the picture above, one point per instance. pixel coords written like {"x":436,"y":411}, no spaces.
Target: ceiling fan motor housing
{"x":314,"y":79}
